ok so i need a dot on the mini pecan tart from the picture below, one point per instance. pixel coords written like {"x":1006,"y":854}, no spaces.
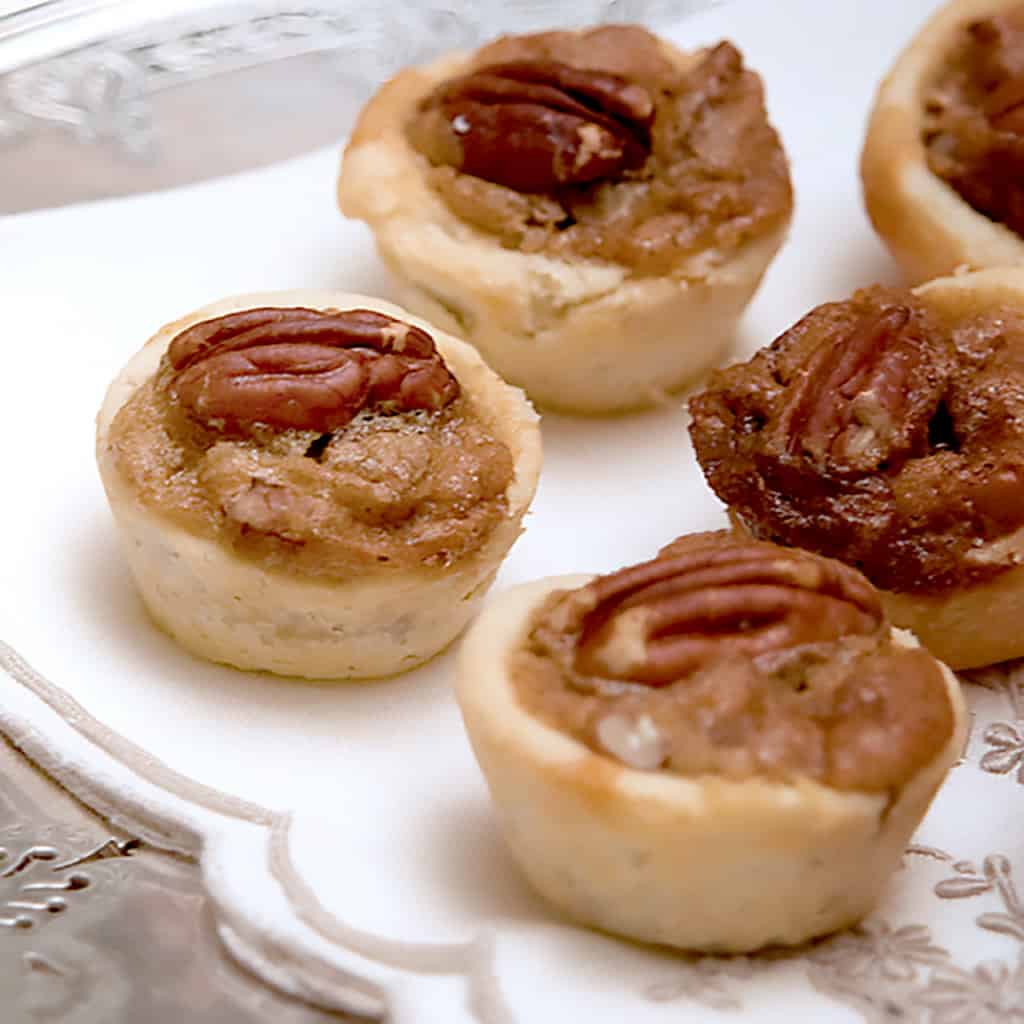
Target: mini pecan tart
{"x":721,"y":749}
{"x":314,"y":484}
{"x":888,"y":431}
{"x":943,"y":161}
{"x":592,"y":210}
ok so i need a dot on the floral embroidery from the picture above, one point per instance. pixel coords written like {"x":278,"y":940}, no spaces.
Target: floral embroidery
{"x":996,"y":875}
{"x":706,"y":981}
{"x":876,"y":948}
{"x":991,"y":993}
{"x":902,"y":975}
{"x":889,"y":1004}
{"x":1007,"y":679}
{"x":1006,"y":751}
{"x":1004,"y":740}
{"x":968,"y":881}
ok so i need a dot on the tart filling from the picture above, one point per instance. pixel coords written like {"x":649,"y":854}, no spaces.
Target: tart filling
{"x":974,"y":118}
{"x":735,"y":659}
{"x":881,"y":431}
{"x":316,"y":441}
{"x":599,"y":145}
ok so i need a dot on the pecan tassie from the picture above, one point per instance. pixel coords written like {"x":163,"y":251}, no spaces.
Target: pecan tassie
{"x":304,"y":369}
{"x":321,"y":442}
{"x":600,"y":145}
{"x":974,"y":118}
{"x":879,"y":433}
{"x":736,"y":658}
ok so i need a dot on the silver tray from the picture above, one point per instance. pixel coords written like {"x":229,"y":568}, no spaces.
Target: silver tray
{"x":99,"y":98}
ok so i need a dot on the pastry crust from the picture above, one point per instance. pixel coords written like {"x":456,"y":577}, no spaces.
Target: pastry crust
{"x":971,"y":627}
{"x":927,"y":226}
{"x":377,"y":623}
{"x":979,"y":624}
{"x":581,"y":336}
{"x":702,"y":863}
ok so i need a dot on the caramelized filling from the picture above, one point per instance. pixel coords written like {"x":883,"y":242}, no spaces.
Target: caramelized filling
{"x":974,"y":118}
{"x":853,"y":711}
{"x":402,"y":489}
{"x":714,"y":178}
{"x":877,"y":433}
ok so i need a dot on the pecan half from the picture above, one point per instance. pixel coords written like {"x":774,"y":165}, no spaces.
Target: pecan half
{"x":304,"y":369}
{"x":699,"y":602}
{"x":535,"y":125}
{"x":867,"y":398}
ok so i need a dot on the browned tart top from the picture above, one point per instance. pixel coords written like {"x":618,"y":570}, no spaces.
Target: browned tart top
{"x":974,"y":118}
{"x":738,"y":659}
{"x":877,"y":432}
{"x":598,"y":144}
{"x":315,"y":441}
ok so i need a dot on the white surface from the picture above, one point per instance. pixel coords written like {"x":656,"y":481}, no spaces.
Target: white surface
{"x":392,"y":827}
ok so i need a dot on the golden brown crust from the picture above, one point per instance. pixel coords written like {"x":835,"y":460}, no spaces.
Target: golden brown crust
{"x":972,"y":627}
{"x":927,"y":226}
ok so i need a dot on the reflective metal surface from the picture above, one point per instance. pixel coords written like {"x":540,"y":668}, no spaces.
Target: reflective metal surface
{"x":177,"y":102}
{"x":94,"y":104}
{"x":97,"y":929}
